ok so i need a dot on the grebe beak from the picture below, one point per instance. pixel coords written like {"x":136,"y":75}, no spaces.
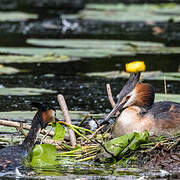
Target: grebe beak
{"x":123,"y":95}
{"x":117,"y":107}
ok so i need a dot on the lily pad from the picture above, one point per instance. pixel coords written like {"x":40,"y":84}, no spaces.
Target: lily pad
{"x":102,"y":48}
{"x":124,"y":144}
{"x":88,"y":48}
{"x":48,"y":58}
{"x":151,"y":75}
{"x":23,"y":91}
{"x":65,"y":52}
{"x":93,"y":44}
{"x":22,"y":115}
{"x":16,"y":16}
{"x":43,"y":155}
{"x":122,"y":12}
{"x":8,"y":70}
{"x":167,"y":97}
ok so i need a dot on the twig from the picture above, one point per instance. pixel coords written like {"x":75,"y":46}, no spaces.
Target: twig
{"x":84,"y":119}
{"x":24,"y":126}
{"x":111,"y":100}
{"x":97,"y":130}
{"x":110,"y":97}
{"x":165,"y":86}
{"x":20,"y":129}
{"x":67,"y":118}
{"x":174,"y":144}
{"x":42,"y":139}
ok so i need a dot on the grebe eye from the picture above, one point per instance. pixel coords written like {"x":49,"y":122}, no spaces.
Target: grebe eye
{"x":128,"y":97}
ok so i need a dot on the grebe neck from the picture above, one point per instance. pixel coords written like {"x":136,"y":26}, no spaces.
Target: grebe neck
{"x":30,"y":139}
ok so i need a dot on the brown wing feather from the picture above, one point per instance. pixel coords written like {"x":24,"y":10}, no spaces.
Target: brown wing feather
{"x":166,"y":114}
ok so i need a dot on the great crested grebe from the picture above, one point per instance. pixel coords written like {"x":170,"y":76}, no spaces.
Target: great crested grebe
{"x":138,"y":112}
{"x":12,"y":156}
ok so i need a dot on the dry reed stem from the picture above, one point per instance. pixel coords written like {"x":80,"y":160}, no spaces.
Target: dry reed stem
{"x":97,"y":130}
{"x":111,"y":100}
{"x":63,"y":106}
{"x":110,"y":97}
{"x":23,"y":125}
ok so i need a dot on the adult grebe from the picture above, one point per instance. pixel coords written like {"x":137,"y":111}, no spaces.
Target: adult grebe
{"x":12,"y":156}
{"x":138,"y":112}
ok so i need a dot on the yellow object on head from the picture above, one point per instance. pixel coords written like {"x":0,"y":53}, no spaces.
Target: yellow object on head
{"x":135,"y":66}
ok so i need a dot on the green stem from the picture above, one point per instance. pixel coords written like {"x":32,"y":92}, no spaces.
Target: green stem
{"x":84,"y":119}
{"x":86,"y":159}
{"x":73,"y":127}
{"x":69,"y":152}
{"x":83,"y":129}
{"x":70,"y":155}
{"x":77,"y":132}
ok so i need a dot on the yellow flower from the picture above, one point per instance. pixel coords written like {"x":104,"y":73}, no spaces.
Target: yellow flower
{"x":135,"y":66}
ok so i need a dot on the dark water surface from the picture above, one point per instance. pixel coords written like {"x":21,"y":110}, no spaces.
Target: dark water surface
{"x":81,"y":92}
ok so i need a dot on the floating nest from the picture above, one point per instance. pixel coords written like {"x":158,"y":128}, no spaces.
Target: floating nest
{"x":161,"y":152}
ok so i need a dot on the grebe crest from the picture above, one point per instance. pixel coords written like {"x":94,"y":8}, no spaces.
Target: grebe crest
{"x":142,"y":96}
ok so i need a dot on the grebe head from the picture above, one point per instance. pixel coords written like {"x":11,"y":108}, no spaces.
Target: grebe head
{"x":47,"y":113}
{"x":133,"y":93}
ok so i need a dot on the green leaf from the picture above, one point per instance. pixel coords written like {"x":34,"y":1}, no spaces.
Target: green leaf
{"x":59,"y":132}
{"x":122,"y":145}
{"x":139,"y":138}
{"x":43,"y":155}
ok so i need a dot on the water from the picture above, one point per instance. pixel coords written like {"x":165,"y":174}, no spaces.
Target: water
{"x":82,"y":93}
